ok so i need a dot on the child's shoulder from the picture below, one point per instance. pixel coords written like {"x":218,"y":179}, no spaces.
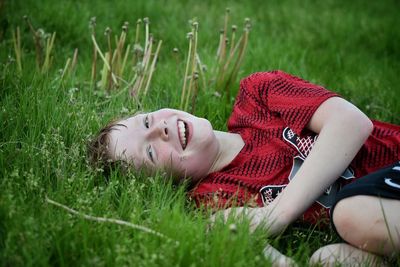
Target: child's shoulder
{"x":274,"y":78}
{"x":265,"y":75}
{"x":253,"y":81}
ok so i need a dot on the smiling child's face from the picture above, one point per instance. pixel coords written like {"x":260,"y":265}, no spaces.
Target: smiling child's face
{"x":167,"y":140}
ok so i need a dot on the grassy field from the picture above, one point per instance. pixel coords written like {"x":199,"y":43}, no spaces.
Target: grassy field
{"x":47,"y":117}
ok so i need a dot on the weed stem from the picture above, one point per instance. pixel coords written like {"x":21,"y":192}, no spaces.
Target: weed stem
{"x":104,"y":59}
{"x":17,"y":47}
{"x":190,"y":36}
{"x":153,"y":64}
{"x":109,"y":220}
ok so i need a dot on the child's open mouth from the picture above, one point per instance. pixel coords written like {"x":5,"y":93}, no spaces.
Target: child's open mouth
{"x":183,"y":132}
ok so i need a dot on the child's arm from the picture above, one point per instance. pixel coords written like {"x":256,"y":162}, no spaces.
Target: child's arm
{"x":342,"y":129}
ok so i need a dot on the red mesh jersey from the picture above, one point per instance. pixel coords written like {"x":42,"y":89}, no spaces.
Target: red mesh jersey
{"x":270,"y":113}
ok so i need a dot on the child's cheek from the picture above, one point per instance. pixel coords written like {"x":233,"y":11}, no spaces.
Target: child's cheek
{"x":167,"y":159}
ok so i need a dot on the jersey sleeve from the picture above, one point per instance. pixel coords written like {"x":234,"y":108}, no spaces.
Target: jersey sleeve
{"x":291,"y":98}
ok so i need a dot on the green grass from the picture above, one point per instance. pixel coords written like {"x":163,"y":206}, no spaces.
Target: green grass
{"x":351,"y":47}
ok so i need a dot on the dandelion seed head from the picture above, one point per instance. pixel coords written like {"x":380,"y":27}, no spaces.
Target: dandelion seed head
{"x":233,"y":228}
{"x":139,"y":67}
{"x":10,"y":59}
{"x":196,"y":26}
{"x":40,"y":32}
{"x":247,"y":23}
{"x":137,"y":48}
{"x":217,"y":94}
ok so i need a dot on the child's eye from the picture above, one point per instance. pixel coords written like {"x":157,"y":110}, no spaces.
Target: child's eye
{"x":146,"y":121}
{"x":150,"y":153}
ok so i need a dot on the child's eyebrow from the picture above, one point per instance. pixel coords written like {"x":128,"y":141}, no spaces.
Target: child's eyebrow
{"x":115,"y":126}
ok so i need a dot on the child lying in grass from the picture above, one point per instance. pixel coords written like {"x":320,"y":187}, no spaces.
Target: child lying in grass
{"x":294,"y":150}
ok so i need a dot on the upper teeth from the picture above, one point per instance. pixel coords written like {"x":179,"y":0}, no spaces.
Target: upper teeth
{"x":182,"y":132}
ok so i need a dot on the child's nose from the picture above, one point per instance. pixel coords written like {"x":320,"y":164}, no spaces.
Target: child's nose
{"x":160,"y":130}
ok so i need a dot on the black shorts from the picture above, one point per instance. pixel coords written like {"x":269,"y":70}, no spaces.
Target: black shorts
{"x":384,"y":183}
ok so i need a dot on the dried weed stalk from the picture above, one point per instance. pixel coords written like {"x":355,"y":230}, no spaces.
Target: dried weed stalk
{"x":17,"y":49}
{"x":230,"y":55}
{"x":44,"y":45}
{"x":116,"y":60}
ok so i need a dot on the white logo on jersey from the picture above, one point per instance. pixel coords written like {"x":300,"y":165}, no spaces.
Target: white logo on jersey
{"x":389,"y":182}
{"x":303,"y":145}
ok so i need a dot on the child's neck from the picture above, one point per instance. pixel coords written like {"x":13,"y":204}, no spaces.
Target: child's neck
{"x":230,"y":144}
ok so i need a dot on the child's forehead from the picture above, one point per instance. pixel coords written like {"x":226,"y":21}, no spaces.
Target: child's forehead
{"x":121,"y":138}
{"x":128,"y":122}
